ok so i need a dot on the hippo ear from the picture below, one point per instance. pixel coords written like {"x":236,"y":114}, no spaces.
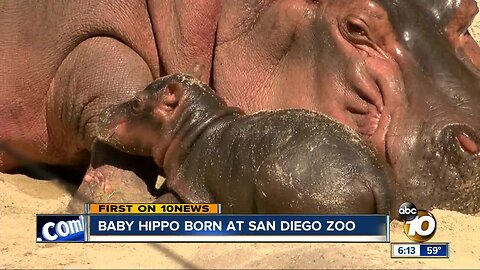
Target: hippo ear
{"x":167,"y":100}
{"x":171,"y":96}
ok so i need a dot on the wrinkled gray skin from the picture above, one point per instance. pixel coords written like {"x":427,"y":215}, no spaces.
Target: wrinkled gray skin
{"x":404,"y":74}
{"x":286,"y":161}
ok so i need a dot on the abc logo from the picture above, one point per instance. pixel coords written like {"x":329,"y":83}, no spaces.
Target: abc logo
{"x":418,"y":225}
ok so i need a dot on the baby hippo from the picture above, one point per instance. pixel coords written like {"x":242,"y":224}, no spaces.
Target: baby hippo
{"x":286,"y":161}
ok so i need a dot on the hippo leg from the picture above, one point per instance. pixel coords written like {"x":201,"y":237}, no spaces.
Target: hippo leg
{"x":116,"y":177}
{"x":98,"y":72}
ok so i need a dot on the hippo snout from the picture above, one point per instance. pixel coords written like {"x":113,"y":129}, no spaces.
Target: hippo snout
{"x":109,"y":119}
{"x":104,"y":122}
{"x":454,"y":163}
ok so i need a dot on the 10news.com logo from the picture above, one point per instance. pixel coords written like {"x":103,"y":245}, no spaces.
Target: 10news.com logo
{"x":418,"y":225}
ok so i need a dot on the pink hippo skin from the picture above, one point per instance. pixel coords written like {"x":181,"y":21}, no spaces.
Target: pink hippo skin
{"x":404,"y":74}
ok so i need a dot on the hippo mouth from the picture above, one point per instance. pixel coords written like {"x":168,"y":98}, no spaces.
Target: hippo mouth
{"x":109,"y":122}
{"x":108,"y":134}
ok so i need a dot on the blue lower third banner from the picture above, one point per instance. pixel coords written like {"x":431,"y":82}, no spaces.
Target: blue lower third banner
{"x":238,"y":228}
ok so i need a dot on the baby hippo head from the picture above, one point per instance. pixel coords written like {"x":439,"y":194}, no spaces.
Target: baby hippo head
{"x":146,"y":124}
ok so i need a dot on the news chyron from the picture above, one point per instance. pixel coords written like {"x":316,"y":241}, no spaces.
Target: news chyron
{"x":419,"y":226}
{"x":202,"y":223}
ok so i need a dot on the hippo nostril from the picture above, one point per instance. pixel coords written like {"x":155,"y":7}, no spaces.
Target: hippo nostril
{"x":467,"y":143}
{"x":459,"y":138}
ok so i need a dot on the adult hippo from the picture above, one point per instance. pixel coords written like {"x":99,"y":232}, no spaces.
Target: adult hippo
{"x":403,"y":73}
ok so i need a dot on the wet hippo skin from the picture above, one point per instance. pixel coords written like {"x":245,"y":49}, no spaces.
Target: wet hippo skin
{"x":286,"y":161}
{"x":403,"y":74}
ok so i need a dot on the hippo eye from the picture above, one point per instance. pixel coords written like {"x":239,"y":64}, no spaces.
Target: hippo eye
{"x":356,"y":30}
{"x":137,"y":105}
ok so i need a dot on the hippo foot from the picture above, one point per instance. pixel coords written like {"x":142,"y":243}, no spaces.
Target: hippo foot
{"x":115,"y":177}
{"x":108,"y":184}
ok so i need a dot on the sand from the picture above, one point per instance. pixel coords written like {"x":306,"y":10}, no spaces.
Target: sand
{"x":23,"y":197}
{"x":475,"y":29}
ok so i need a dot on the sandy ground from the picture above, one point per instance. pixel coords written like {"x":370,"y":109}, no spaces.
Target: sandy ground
{"x":475,"y":29}
{"x":23,"y":197}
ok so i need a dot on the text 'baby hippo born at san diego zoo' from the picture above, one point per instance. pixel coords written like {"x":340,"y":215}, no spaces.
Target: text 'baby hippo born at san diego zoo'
{"x":286,"y":161}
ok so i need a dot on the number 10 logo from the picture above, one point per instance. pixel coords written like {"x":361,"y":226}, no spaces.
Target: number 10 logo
{"x":418,"y":225}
